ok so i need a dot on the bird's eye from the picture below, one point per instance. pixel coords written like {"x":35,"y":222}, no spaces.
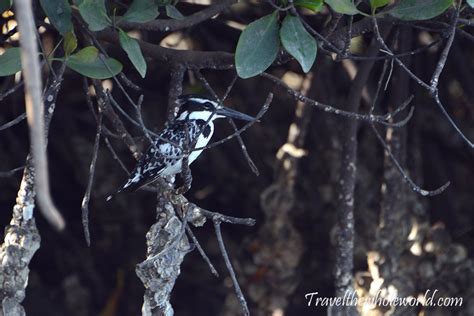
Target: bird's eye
{"x":208,"y":105}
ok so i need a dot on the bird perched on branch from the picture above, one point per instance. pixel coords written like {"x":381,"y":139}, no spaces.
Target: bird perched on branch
{"x":183,"y":139}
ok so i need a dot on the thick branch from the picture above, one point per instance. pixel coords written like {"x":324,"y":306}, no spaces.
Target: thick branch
{"x":343,"y":271}
{"x":34,"y":110}
{"x":188,"y":58}
{"x":21,"y":236}
{"x":170,"y":25}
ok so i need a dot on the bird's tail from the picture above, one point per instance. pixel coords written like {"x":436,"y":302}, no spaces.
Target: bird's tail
{"x":131,"y":185}
{"x":111,"y":196}
{"x":127,"y":186}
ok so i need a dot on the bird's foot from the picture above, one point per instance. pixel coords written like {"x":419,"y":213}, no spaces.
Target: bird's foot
{"x":183,"y":189}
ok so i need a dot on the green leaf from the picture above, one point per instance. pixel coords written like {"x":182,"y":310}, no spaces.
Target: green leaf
{"x":173,"y":13}
{"x":5,"y":5}
{"x":10,"y":62}
{"x":86,"y":55}
{"x":88,"y":63}
{"x":94,"y":13}
{"x":298,"y":42}
{"x":470,"y":2}
{"x":141,"y":11}
{"x":420,"y":9}
{"x":313,"y":5}
{"x":59,"y":14}
{"x":96,"y":69}
{"x":70,"y":43}
{"x":343,"y":6}
{"x":134,"y":53}
{"x":258,"y":46}
{"x":378,"y":3}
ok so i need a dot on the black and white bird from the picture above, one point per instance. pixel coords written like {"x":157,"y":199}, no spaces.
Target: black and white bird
{"x":164,"y":157}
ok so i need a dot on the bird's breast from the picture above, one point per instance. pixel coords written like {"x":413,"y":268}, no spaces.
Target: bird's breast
{"x":202,"y":141}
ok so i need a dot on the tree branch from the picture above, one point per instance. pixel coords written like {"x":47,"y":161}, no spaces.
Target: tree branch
{"x":35,"y":112}
{"x":188,"y":58}
{"x":344,"y":250}
{"x":22,"y":239}
{"x":171,"y":25}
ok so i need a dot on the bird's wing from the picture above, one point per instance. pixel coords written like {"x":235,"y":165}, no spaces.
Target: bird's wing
{"x":162,"y":153}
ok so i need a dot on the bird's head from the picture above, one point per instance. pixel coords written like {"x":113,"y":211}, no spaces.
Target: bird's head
{"x":196,"y":107}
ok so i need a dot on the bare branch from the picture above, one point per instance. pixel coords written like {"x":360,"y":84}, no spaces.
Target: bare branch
{"x":432,"y":88}
{"x":380,"y":119}
{"x":35,"y":111}
{"x":104,"y":106}
{"x":404,"y":174}
{"x":87,"y":194}
{"x":225,"y":255}
{"x":201,"y":251}
{"x":444,"y":54}
{"x":13,"y":122}
{"x":11,"y":90}
{"x":4,"y":174}
{"x":206,"y":84}
{"x":171,"y":25}
{"x":22,"y":239}
{"x":259,"y":115}
{"x":188,"y":58}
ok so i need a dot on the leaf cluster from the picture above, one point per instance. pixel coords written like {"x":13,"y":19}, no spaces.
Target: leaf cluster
{"x":257,"y":48}
{"x":259,"y":43}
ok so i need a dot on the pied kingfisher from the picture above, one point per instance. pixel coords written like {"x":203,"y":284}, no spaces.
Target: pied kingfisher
{"x":163,"y":158}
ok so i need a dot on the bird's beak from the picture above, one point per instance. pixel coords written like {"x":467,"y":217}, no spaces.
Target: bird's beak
{"x":226,"y":112}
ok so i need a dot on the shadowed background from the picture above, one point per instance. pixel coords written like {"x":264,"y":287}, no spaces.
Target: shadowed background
{"x":68,"y":278}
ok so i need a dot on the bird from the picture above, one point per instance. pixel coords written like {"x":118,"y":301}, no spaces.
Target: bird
{"x":164,"y":157}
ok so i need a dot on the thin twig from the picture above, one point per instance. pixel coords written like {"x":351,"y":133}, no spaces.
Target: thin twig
{"x":451,"y":121}
{"x":138,"y":110}
{"x":249,"y":160}
{"x":48,"y":63}
{"x":404,"y":174}
{"x":380,"y":119}
{"x":225,"y":255}
{"x":444,"y":54}
{"x":11,"y":90}
{"x":122,"y":76}
{"x":128,"y":82}
{"x":225,"y":218}
{"x":432,"y":87}
{"x":230,"y":87}
{"x":13,"y":122}
{"x":106,"y":108}
{"x":87,"y":194}
{"x":5,"y":174}
{"x":129,"y":118}
{"x":106,"y":139}
{"x":259,"y":115}
{"x":379,"y":38}
{"x":116,"y":157}
{"x":202,"y":252}
{"x":416,"y":188}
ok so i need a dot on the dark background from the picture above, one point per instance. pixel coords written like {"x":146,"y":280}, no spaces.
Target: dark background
{"x":68,"y":278}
